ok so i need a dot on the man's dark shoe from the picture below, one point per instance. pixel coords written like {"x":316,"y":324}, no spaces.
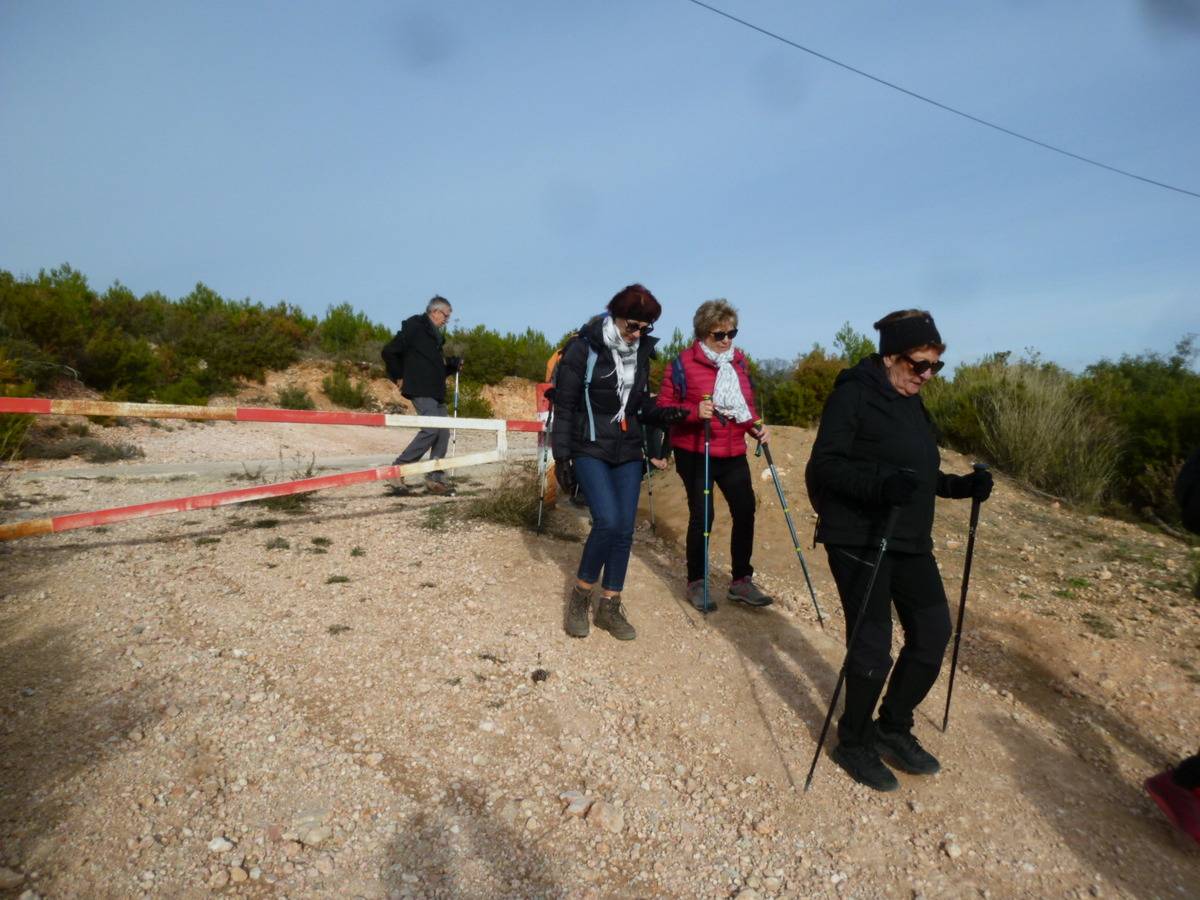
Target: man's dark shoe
{"x":746,"y":591}
{"x":433,"y":486}
{"x":578,"y":607}
{"x":611,"y":617}
{"x":906,"y":752}
{"x":864,"y":766}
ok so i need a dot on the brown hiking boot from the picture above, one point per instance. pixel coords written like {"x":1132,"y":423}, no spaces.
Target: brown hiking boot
{"x":578,"y":607}
{"x":436,"y":486}
{"x":611,"y":617}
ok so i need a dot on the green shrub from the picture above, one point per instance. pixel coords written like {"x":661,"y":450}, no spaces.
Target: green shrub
{"x":345,"y":332}
{"x":471,"y":402}
{"x":814,"y":376}
{"x":13,"y":427}
{"x":295,"y":397}
{"x":1156,"y":402}
{"x":1033,"y":421}
{"x":338,"y":387}
{"x":851,"y":345}
{"x":187,"y":391}
{"x":490,"y":357}
{"x":512,"y":501}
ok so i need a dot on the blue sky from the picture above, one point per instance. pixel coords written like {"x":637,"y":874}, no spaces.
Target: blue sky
{"x":527,"y":159}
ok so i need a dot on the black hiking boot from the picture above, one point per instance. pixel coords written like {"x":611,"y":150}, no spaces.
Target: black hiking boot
{"x":864,"y":766}
{"x":611,"y":617}
{"x":578,"y":608}
{"x":906,"y":752}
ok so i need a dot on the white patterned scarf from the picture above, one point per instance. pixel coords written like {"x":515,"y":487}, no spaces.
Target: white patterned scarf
{"x":624,"y":361}
{"x":727,"y":393}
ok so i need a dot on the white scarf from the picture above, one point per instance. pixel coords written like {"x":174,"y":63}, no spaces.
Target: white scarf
{"x":624,"y":362}
{"x":727,"y":393}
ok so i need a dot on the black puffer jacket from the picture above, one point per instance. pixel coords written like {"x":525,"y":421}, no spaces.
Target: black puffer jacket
{"x":868,"y":431}
{"x":570,"y":434}
{"x":415,"y":355}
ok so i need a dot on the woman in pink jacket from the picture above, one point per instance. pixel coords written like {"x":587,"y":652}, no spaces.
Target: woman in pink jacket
{"x":713,"y":368}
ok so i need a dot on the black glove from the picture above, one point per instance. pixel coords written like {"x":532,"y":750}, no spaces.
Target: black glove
{"x":454,"y":363}
{"x":977,"y":485}
{"x":671,"y":415}
{"x":898,"y":489}
{"x":564,"y":473}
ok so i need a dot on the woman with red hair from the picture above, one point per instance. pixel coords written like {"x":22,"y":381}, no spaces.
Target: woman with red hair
{"x":601,"y":399}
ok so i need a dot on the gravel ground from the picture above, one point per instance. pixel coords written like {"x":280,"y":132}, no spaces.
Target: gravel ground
{"x":364,"y":698}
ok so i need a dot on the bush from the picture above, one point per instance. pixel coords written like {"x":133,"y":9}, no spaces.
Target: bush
{"x":338,"y":388}
{"x":57,"y":442}
{"x":1156,"y":402}
{"x":471,"y":402}
{"x":295,"y":397}
{"x":346,"y":332}
{"x":13,"y":428}
{"x":1033,"y":421}
{"x":814,"y":376}
{"x":513,"y":501}
{"x":490,"y":357}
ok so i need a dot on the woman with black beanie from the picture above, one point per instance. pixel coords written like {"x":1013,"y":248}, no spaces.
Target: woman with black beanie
{"x":876,"y":448}
{"x":601,"y":398}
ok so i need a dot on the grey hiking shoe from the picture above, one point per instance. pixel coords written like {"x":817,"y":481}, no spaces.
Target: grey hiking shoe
{"x":746,"y":591}
{"x":578,"y":607}
{"x":695,"y":596}
{"x":611,"y":617}
{"x":906,"y":752}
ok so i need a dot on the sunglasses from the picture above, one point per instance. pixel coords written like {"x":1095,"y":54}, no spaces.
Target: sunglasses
{"x":721,"y":335}
{"x":632,"y":327}
{"x":921,"y":366}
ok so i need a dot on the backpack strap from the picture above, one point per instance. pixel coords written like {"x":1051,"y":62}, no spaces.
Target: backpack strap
{"x":587,"y":396}
{"x":679,"y":377}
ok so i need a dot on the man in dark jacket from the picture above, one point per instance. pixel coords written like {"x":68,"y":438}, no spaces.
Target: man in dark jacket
{"x":414,"y":361}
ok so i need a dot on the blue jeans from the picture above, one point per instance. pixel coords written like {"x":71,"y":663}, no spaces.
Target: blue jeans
{"x":612,"y":495}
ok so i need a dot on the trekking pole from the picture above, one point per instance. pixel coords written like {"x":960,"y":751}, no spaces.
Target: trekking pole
{"x":543,"y":467}
{"x":707,"y":497}
{"x":962,"y":597}
{"x":453,"y":433}
{"x":765,"y":449}
{"x":649,"y":476}
{"x":862,"y":614}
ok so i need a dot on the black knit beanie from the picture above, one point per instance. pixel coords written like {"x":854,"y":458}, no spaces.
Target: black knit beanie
{"x":901,"y":335}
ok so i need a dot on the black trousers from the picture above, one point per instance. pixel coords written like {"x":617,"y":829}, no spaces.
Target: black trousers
{"x":911,"y":582}
{"x":732,"y":475}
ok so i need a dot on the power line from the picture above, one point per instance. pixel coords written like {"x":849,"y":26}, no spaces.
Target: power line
{"x":942,"y":106}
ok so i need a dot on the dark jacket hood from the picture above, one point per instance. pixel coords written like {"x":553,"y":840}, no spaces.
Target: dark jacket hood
{"x":869,"y":371}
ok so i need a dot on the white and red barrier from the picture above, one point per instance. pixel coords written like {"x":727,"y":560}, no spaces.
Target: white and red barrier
{"x":39,"y":406}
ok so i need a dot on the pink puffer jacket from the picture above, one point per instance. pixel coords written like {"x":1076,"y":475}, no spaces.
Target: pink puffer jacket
{"x":686,"y":381}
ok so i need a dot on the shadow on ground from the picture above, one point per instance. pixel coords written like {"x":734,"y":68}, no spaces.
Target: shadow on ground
{"x":463,"y":849}
{"x":54,"y":726}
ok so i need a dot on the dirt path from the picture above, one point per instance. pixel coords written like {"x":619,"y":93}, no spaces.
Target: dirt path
{"x":367,"y":698}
